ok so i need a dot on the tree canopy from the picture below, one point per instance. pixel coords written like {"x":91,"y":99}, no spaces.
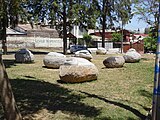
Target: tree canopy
{"x":147,"y":10}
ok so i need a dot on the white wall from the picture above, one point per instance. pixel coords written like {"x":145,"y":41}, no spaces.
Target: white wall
{"x":108,"y":45}
{"x":15,"y":42}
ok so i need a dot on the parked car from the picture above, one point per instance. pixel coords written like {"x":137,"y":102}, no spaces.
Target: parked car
{"x":75,"y":48}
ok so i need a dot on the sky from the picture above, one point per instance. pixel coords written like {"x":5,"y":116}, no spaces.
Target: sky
{"x":136,"y":24}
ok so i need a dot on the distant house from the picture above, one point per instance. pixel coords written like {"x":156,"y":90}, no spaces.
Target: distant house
{"x":37,"y":31}
{"x":41,"y":35}
{"x":38,"y":36}
{"x":13,"y":32}
{"x":138,"y":36}
{"x":78,"y":31}
{"x":97,"y":37}
{"x":129,"y":40}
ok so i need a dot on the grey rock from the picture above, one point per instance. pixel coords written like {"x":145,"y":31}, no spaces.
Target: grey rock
{"x":54,"y":60}
{"x":24,"y":56}
{"x":132,"y":56}
{"x":114,"y":62}
{"x":78,"y":70}
{"x":101,"y":51}
{"x":83,"y":54}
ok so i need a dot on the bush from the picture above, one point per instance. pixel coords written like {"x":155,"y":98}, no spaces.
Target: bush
{"x":88,"y":40}
{"x":116,"y":37}
{"x":150,"y":44}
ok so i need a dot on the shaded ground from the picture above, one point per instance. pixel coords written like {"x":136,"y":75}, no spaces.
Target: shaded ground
{"x":37,"y":95}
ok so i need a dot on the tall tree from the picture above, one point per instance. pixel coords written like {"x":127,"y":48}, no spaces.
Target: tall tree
{"x":7,"y":13}
{"x":111,"y":11}
{"x":105,"y":7}
{"x":123,"y":13}
{"x":73,"y":12}
{"x":11,"y":111}
{"x":147,"y":10}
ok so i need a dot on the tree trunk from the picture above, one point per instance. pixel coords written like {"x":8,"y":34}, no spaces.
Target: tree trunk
{"x":4,"y":41}
{"x":4,"y":24}
{"x":11,"y":111}
{"x":103,"y":24}
{"x":64,"y":30}
{"x":103,"y":31}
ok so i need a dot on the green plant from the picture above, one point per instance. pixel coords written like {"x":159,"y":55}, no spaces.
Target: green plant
{"x":116,"y":37}
{"x":88,"y":39}
{"x":150,"y":44}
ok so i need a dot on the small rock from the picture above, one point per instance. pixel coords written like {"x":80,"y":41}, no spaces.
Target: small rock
{"x":83,"y":54}
{"x":101,"y":51}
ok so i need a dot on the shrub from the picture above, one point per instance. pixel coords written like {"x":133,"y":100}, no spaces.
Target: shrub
{"x":150,"y":44}
{"x":116,"y":37}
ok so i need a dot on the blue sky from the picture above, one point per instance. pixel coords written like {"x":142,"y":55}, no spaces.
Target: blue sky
{"x":135,"y":24}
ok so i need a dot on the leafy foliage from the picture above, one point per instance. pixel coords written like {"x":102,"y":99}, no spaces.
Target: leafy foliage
{"x":88,"y":39}
{"x":147,"y":10}
{"x":150,"y":44}
{"x":123,"y":11}
{"x":111,"y":12}
{"x":116,"y":37}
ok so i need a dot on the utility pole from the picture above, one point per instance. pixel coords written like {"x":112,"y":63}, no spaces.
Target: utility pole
{"x":156,"y":90}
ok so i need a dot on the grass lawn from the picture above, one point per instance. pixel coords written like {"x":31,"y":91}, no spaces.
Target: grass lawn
{"x":118,"y":94}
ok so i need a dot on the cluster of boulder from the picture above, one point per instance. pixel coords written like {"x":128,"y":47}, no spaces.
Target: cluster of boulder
{"x":78,"y":68}
{"x":72,"y":69}
{"x":103,"y":51}
{"x":131,"y":56}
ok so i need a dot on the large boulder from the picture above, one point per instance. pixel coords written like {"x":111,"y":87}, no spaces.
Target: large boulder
{"x":101,"y":51}
{"x":24,"y":56}
{"x":54,"y":60}
{"x":114,"y":62}
{"x":78,"y":70}
{"x":132,"y":56}
{"x":83,"y":54}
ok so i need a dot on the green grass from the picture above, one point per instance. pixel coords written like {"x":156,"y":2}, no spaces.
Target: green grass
{"x":118,"y":94}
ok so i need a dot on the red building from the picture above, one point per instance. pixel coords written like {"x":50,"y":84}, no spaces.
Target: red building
{"x":130,"y":40}
{"x":108,"y":35}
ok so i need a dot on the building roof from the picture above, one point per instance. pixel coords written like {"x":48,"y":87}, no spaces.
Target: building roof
{"x":10,"y":31}
{"x":37,"y":31}
{"x":36,"y":27}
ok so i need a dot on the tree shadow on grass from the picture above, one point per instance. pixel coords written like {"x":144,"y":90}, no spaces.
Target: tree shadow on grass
{"x":145,"y":93}
{"x":32,"y":96}
{"x":129,"y":108}
{"x":148,"y":95}
{"x":9,"y":62}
